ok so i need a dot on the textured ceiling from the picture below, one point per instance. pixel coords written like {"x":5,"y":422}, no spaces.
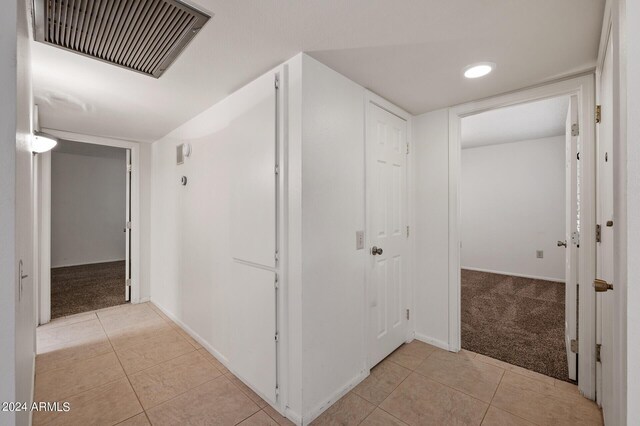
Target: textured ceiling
{"x":411,"y":52}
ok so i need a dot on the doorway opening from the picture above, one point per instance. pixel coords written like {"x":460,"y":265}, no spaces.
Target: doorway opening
{"x":90,"y":219}
{"x":519,"y":233}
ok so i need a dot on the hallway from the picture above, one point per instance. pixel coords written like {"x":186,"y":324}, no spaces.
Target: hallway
{"x":131,"y":365}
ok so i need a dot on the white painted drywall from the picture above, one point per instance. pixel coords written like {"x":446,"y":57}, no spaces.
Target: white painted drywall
{"x":88,"y":207}
{"x":512,"y":204}
{"x":8,"y":112}
{"x":332,"y":211}
{"x":630,"y":87}
{"x":191,"y":243}
{"x":25,"y":312}
{"x":431,"y":288}
{"x":144,"y":183}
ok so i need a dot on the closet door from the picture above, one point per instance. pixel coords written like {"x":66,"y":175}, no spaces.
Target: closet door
{"x":254,"y":197}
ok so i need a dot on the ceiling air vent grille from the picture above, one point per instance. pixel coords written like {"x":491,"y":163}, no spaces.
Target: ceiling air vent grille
{"x":142,"y":35}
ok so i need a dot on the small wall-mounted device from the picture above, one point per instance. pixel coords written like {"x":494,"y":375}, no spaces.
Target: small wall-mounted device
{"x":186,"y":149}
{"x":183,"y":150}
{"x":179,"y":155}
{"x":539,"y":254}
{"x":183,"y":180}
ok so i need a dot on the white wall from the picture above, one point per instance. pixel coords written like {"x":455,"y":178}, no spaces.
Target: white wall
{"x":88,"y":207}
{"x":332,"y":211}
{"x":25,"y":319}
{"x":630,"y":86}
{"x":431,"y":290}
{"x":8,"y":82}
{"x":191,"y":243}
{"x":512,"y":203}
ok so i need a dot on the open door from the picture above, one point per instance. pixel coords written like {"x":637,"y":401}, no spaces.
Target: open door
{"x":604,"y":248}
{"x":571,"y":242}
{"x":127,"y":230}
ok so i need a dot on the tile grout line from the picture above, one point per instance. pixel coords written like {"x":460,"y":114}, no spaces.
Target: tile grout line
{"x":124,"y":371}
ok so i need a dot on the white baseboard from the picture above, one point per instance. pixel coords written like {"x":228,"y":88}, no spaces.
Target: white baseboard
{"x":535,"y":277}
{"x":313,"y":414}
{"x":434,"y":342}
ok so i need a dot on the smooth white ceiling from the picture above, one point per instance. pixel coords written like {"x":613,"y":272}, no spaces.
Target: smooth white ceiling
{"x":411,"y":52}
{"x":534,"y":120}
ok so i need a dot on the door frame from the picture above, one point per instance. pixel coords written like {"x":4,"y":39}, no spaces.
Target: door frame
{"x":44,"y":217}
{"x":372,"y":98}
{"x":582,"y":86}
{"x":610,"y":31}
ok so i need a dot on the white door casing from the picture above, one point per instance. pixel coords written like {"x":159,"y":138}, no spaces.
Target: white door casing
{"x":605,"y":263}
{"x":386,"y":181}
{"x":571,"y":255}
{"x":127,"y":229}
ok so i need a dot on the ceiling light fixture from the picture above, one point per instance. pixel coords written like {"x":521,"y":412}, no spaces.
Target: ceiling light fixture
{"x":479,"y":70}
{"x":43,"y":142}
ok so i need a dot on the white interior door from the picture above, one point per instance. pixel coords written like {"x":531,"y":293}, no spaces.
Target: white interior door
{"x":571,"y":243}
{"x":127,"y":230}
{"x":604,"y":270}
{"x":386,"y":147}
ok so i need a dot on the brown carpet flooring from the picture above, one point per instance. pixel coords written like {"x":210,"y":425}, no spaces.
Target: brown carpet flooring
{"x":83,"y":288}
{"x":516,"y":320}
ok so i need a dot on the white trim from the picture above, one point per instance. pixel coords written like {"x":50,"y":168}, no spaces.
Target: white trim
{"x":372,"y":98}
{"x":513,"y":274}
{"x":45,"y":211}
{"x":43,"y":244}
{"x":433,"y":342}
{"x":583,"y":88}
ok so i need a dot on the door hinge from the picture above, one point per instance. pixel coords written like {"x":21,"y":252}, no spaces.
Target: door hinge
{"x":598,"y":233}
{"x":276,"y":285}
{"x":277,"y":256}
{"x":575,"y":238}
{"x":575,"y":129}
{"x":407,"y":231}
{"x":127,"y":282}
{"x":277,"y":82}
{"x":128,"y":225}
{"x":574,"y":346}
{"x":408,"y":314}
{"x":598,"y":113}
{"x":598,"y":351}
{"x":277,"y":169}
{"x":407,"y":148}
{"x":129,"y":168}
{"x":277,"y":391}
{"x":277,"y":337}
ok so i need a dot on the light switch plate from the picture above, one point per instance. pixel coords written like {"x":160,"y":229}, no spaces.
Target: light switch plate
{"x":359,"y":240}
{"x":539,"y":254}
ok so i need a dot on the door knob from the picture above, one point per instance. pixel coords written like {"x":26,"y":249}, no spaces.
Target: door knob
{"x":376,"y":250}
{"x":601,"y":285}
{"x":562,"y":244}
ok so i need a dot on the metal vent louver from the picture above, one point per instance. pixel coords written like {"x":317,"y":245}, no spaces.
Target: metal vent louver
{"x":142,"y":35}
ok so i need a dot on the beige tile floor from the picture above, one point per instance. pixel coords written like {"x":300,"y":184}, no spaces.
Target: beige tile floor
{"x":131,"y":365}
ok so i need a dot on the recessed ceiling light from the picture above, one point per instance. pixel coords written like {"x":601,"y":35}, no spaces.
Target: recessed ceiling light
{"x":479,"y":70}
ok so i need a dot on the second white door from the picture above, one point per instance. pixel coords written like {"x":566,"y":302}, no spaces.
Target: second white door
{"x":386,"y":147}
